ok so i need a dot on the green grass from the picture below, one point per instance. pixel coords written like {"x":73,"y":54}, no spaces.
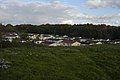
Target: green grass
{"x":101,"y":62}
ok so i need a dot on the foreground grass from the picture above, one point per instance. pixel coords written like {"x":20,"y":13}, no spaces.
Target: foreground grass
{"x":100,"y":62}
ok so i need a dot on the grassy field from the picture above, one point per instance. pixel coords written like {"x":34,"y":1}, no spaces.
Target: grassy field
{"x":101,"y":62}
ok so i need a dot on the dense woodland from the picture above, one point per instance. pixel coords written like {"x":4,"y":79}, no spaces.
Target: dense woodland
{"x":77,"y":30}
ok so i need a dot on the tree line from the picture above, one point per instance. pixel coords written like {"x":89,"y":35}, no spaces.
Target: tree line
{"x":101,"y":31}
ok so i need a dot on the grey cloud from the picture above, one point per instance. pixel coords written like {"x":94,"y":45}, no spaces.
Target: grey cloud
{"x":103,"y":3}
{"x":117,"y":3}
{"x":99,"y":3}
{"x":54,"y":2}
{"x":112,"y":19}
{"x":16,"y":12}
{"x":35,"y":13}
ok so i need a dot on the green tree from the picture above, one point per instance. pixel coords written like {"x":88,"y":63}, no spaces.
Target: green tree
{"x":24,"y":36}
{"x":1,"y":30}
{"x":10,"y":28}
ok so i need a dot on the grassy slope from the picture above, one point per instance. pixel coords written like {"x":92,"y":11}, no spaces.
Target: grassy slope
{"x":100,"y":62}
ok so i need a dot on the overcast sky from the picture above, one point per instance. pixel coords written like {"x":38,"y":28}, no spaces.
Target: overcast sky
{"x":60,"y":11}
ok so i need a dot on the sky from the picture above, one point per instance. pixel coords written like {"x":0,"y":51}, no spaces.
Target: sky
{"x":60,"y":12}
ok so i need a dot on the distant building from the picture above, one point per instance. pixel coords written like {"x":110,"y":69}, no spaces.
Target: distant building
{"x":45,"y":36}
{"x":11,"y":36}
{"x":38,"y":42}
{"x":70,"y":43}
{"x":99,"y":43}
{"x":32,"y":36}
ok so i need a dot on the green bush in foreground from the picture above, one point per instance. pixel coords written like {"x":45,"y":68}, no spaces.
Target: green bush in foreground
{"x":101,"y":62}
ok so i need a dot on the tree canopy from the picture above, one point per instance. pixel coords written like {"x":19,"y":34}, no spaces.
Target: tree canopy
{"x":101,"y":31}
